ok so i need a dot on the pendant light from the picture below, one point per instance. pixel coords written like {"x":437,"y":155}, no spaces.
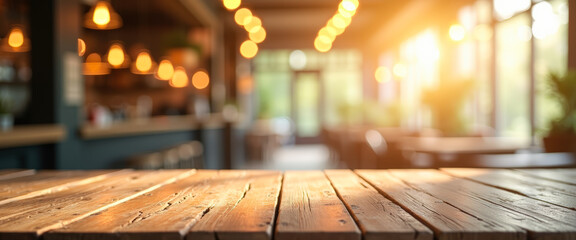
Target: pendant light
{"x":165,"y":70}
{"x":81,"y":47}
{"x":117,"y":57}
{"x":143,"y":64}
{"x":95,"y":66}
{"x":16,"y":41}
{"x":102,"y":17}
{"x":180,"y":78}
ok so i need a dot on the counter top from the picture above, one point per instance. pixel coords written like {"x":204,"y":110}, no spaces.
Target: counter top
{"x":422,"y":204}
{"x":141,"y":126}
{"x":31,"y":135}
{"x":154,"y":125}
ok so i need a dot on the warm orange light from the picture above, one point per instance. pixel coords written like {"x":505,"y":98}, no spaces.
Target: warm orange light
{"x":101,"y":14}
{"x":165,"y":70}
{"x":200,"y":79}
{"x":349,"y":5}
{"x":253,"y":25}
{"x":322,"y":44}
{"x":116,"y":56}
{"x":16,"y":38}
{"x":400,"y":70}
{"x":180,"y":78}
{"x":95,"y":66}
{"x":336,"y":29}
{"x":243,"y":16}
{"x":143,"y":62}
{"x":383,"y":74}
{"x":81,"y":47}
{"x":339,"y":21}
{"x":258,"y":36}
{"x":248,"y":49}
{"x":327,"y":32}
{"x":232,"y":4}
{"x":344,"y":12}
{"x":457,"y":32}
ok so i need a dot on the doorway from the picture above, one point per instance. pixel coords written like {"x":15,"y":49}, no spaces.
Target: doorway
{"x":307,"y":106}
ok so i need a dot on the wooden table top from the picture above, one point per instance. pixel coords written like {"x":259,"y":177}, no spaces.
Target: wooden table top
{"x":464,"y":145}
{"x":253,"y":204}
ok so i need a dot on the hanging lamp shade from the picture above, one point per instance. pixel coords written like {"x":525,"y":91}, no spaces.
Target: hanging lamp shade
{"x":95,"y":66}
{"x":81,"y":47}
{"x":117,"y":57}
{"x":143,"y":64}
{"x":165,"y":70}
{"x":180,"y":78}
{"x":102,"y":17}
{"x":16,"y":41}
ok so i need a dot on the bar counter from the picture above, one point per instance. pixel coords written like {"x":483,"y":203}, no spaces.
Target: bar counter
{"x":27,"y":135}
{"x":260,"y":204}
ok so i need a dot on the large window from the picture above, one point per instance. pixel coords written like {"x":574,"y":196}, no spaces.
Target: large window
{"x":513,"y":76}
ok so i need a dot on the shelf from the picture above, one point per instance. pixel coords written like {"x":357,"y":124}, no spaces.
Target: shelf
{"x":27,"y":135}
{"x":153,"y":125}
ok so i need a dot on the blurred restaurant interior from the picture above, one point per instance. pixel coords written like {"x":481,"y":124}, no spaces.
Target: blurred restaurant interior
{"x":287,"y":84}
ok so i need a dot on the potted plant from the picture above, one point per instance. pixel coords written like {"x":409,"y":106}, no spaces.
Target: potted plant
{"x":6,"y":116}
{"x":561,"y":136}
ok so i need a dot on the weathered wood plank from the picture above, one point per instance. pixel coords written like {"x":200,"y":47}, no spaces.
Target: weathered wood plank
{"x":48,"y":181}
{"x":178,"y":220}
{"x":252,"y":217}
{"x":553,"y":192}
{"x":180,"y":200}
{"x":378,"y":217}
{"x":566,"y":175}
{"x":310,"y":209}
{"x":447,"y":221}
{"x":541,"y":220}
{"x":14,"y":173}
{"x":29,"y":218}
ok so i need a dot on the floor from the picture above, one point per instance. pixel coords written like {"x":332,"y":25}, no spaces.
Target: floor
{"x":297,"y":157}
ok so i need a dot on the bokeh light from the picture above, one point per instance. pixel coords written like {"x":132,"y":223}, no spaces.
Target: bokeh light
{"x":254,"y":24}
{"x":180,"y":78}
{"x":81,"y":47}
{"x":165,"y":70}
{"x":383,"y":74}
{"x":232,"y":4}
{"x":457,"y":32}
{"x":243,"y":16}
{"x":248,"y":49}
{"x":200,"y":79}
{"x":258,"y":36}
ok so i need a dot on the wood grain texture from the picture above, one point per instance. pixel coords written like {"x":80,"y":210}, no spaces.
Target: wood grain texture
{"x":252,"y":217}
{"x":164,"y":213}
{"x":566,"y":175}
{"x":310,"y":209}
{"x":48,"y":181}
{"x":29,"y":218}
{"x":228,"y":194}
{"x":14,"y":173}
{"x":447,"y":221}
{"x":541,"y":220}
{"x":558,"y":193}
{"x":378,"y":217}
